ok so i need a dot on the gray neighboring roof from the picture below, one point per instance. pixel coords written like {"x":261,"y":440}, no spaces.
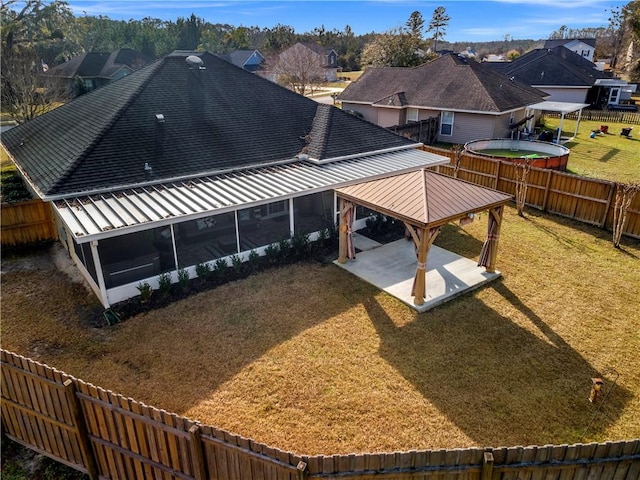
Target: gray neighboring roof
{"x":558,"y":66}
{"x":240,"y":57}
{"x":101,"y":65}
{"x":446,"y":83}
{"x":216,"y":118}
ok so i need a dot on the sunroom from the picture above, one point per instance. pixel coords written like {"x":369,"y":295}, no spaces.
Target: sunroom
{"x":121,"y":239}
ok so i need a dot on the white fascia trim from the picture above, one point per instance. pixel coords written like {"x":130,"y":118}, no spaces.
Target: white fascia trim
{"x":180,"y":178}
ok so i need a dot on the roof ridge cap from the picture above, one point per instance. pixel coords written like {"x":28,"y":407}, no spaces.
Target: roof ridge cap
{"x":105,"y":128}
{"x":319,"y":127}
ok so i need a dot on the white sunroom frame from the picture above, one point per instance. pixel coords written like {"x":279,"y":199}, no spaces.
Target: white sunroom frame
{"x":90,"y":219}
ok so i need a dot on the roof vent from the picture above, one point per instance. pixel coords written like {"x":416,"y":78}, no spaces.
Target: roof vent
{"x":160,"y":118}
{"x":195,"y":62}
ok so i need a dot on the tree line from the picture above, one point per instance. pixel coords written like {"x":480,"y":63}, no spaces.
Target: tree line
{"x":52,"y":30}
{"x":36,"y":34}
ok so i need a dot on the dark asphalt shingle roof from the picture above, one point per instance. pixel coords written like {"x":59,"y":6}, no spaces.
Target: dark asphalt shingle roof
{"x":95,"y":64}
{"x":446,"y":83}
{"x":557,"y":66}
{"x":215,"y":119}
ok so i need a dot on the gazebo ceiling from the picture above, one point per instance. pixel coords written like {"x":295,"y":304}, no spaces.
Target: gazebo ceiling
{"x":423,"y":198}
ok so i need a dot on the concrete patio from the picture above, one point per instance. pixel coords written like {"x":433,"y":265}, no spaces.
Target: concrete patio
{"x":391,"y":268}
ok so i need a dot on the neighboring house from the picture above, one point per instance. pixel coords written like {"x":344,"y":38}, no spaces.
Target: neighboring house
{"x":472,"y":100}
{"x":192,"y":159}
{"x":493,"y":57}
{"x":585,"y":47}
{"x":89,"y":71}
{"x":323,"y":61}
{"x":566,"y":77}
{"x":468,"y":53}
{"x":250,"y":60}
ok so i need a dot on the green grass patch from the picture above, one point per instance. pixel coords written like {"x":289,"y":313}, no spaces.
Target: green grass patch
{"x":609,"y":156}
{"x":505,"y":153}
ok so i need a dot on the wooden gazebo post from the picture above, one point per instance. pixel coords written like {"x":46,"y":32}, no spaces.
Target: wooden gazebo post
{"x":496,"y":214}
{"x":426,"y":236}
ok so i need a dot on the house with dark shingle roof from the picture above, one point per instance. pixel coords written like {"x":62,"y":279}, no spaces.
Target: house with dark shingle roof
{"x":584,"y":47}
{"x":566,"y":77}
{"x":471,"y":100}
{"x":250,"y":60}
{"x":192,"y":159}
{"x":92,"y":70}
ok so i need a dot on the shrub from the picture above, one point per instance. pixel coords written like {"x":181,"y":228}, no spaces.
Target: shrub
{"x":164,"y":282}
{"x":254,"y":259}
{"x":300,"y":245}
{"x":13,"y":189}
{"x":145,"y":291}
{"x":236,"y":262}
{"x":221,"y":266}
{"x":271,"y":253}
{"x":284,"y":248}
{"x":203,"y":270}
{"x":183,"y":278}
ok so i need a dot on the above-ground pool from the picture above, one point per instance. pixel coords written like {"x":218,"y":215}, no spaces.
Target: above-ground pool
{"x":546,"y":155}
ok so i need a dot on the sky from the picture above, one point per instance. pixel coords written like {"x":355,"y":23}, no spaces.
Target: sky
{"x":470,"y":21}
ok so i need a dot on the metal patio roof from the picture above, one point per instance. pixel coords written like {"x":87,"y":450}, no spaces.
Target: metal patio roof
{"x":116,"y":213}
{"x":424,"y":198}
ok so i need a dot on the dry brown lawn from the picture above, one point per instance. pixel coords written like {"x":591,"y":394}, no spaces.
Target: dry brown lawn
{"x":308,"y":358}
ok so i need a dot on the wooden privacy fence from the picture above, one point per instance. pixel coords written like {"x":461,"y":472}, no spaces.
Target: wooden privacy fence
{"x":26,"y":222}
{"x":584,"y":199}
{"x":425,"y":131}
{"x":107,"y":435}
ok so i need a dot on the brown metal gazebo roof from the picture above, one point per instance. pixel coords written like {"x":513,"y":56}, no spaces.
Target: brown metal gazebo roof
{"x":423,"y":198}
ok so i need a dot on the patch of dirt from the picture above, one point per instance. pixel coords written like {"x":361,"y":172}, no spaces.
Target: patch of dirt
{"x":44,"y":257}
{"x":49,"y":257}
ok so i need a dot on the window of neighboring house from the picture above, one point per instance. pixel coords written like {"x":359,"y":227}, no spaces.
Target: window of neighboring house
{"x":88,"y":84}
{"x":512,"y":118}
{"x":446,"y":123}
{"x":412,"y":115}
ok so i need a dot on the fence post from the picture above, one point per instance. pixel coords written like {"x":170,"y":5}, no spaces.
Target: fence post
{"x":495,"y":184}
{"x":546,"y":190}
{"x":195,"y":446}
{"x":612,"y":188}
{"x":83,"y":433}
{"x":487,"y":466}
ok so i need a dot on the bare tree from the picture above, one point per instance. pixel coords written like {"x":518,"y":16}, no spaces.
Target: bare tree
{"x":625,"y":193}
{"x":25,"y":91}
{"x":299,"y":68}
{"x":522,"y":167}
